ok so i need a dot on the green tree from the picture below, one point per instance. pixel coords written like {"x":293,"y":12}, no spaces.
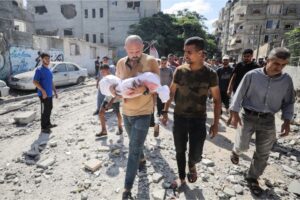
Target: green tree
{"x":170,"y":31}
{"x":293,"y":44}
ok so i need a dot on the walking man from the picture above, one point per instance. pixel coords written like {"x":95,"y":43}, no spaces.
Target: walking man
{"x":239,"y":72}
{"x":224,"y":74}
{"x":97,"y":66}
{"x":136,"y":111}
{"x":43,"y":80}
{"x":261,"y":94}
{"x":191,"y":83}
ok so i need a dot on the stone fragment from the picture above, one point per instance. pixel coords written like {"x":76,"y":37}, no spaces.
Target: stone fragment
{"x":25,"y":117}
{"x":46,"y":163}
{"x":294,"y":187}
{"x":208,"y":162}
{"x":93,"y":165}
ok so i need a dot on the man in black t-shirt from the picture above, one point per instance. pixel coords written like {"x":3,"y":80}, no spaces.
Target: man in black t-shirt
{"x":239,"y":72}
{"x":224,"y":73}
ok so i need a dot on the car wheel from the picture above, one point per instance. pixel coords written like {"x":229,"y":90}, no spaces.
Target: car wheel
{"x":80,"y":80}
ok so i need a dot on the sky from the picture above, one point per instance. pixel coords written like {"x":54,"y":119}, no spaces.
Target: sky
{"x":208,"y":8}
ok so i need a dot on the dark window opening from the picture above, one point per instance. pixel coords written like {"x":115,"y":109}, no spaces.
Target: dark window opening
{"x":101,"y":38}
{"x":112,"y":28}
{"x":68,"y":32}
{"x":68,"y":11}
{"x":93,"y":13}
{"x":86,"y":13}
{"x":130,"y":4}
{"x":266,"y":39}
{"x":136,"y":4}
{"x":94,"y":38}
{"x":87,"y":38}
{"x":74,"y":50}
{"x":40,"y":9}
{"x":115,"y":3}
{"x":101,"y":12}
{"x":269,"y":24}
{"x":15,"y":3}
{"x":256,"y":11}
{"x":238,"y":41}
{"x":288,"y":26}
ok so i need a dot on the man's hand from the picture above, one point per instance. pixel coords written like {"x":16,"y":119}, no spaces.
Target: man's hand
{"x":55,"y":94}
{"x":44,"y":94}
{"x":236,"y":120}
{"x":229,"y":91}
{"x":213,"y":131}
{"x":285,"y":128}
{"x":164,"y":119}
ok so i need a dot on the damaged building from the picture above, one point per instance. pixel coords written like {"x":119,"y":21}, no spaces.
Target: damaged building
{"x":104,"y":22}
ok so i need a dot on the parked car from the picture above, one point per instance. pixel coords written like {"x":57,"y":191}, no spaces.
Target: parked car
{"x":64,"y":73}
{"x":4,"y":90}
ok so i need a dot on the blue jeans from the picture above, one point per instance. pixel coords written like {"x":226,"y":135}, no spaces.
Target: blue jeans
{"x":137,"y":130}
{"x":100,"y":98}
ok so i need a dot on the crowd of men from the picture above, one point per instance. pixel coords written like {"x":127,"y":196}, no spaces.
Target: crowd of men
{"x":248,"y":90}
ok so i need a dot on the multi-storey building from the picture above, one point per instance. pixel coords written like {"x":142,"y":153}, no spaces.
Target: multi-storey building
{"x":250,"y":24}
{"x":99,"y":21}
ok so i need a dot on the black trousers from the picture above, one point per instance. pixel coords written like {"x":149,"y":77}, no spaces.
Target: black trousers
{"x":160,"y":106}
{"x":225,"y":99}
{"x":192,"y":130}
{"x":46,"y":108}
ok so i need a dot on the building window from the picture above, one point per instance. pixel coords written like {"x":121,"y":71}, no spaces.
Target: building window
{"x":87,"y":38}
{"x":272,"y":24}
{"x":256,"y":11}
{"x":266,"y":40}
{"x":130,"y":4}
{"x":68,"y":32}
{"x":94,"y":38}
{"x":133,"y":4}
{"x":112,"y":28}
{"x":288,"y":26}
{"x":93,"y":52}
{"x":291,"y":10}
{"x":40,"y":9}
{"x":93,"y":13}
{"x":101,"y":12}
{"x":101,"y":38}
{"x":19,"y":26}
{"x":74,"y":50}
{"x":115,"y":3}
{"x":274,"y":9}
{"x":86,"y":13}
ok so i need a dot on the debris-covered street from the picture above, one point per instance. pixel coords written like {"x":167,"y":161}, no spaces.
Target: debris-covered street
{"x":70,"y":163}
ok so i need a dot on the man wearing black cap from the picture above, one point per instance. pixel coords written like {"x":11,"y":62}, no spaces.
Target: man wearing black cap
{"x":43,"y":80}
{"x":191,"y":83}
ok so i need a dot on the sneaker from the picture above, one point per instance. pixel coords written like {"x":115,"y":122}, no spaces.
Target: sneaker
{"x":46,"y":130}
{"x":52,"y":126}
{"x":120,"y":132}
{"x":96,"y":112}
{"x":126,"y":195}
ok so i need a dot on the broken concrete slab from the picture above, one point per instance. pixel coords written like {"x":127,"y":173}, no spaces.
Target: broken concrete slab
{"x":25,"y":117}
{"x":158,"y":194}
{"x":156,"y":177}
{"x":93,"y":165}
{"x":208,"y":163}
{"x":288,"y":169}
{"x":294,"y":187}
{"x":229,"y":192}
{"x":46,"y":163}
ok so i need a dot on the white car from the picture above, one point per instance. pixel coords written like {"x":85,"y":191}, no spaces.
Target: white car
{"x":64,"y":73}
{"x":4,"y":90}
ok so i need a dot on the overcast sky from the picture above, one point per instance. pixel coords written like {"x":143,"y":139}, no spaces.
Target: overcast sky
{"x":208,"y":8}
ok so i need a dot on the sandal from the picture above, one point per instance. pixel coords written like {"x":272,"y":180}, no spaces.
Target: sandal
{"x":120,"y":132}
{"x":254,"y":186}
{"x":142,"y":165}
{"x":192,"y":175}
{"x":101,"y":134}
{"x":234,"y":158}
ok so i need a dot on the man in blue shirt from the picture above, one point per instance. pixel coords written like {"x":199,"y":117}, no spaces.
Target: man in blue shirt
{"x":43,"y":80}
{"x":262,"y":93}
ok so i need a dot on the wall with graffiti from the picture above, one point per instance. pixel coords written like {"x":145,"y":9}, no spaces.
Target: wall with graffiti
{"x":26,"y":59}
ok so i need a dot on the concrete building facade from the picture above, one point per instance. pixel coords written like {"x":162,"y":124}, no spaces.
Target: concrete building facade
{"x":104,"y":22}
{"x":250,"y":24}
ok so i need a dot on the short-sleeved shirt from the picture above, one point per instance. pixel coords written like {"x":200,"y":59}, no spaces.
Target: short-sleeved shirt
{"x":192,"y":90}
{"x":240,"y":70}
{"x":44,"y":76}
{"x":224,"y":74}
{"x":141,"y":105}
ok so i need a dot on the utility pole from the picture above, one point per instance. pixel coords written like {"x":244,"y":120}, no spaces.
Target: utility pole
{"x":227,"y":28}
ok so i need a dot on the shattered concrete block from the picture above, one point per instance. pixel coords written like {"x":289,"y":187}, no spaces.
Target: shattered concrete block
{"x":46,"y":163}
{"x":158,"y":194}
{"x":294,"y":187}
{"x":25,"y":117}
{"x":93,"y":165}
{"x":208,"y":162}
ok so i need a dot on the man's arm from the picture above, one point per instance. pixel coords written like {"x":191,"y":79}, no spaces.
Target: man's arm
{"x":215,"y":92}
{"x":287,"y":109}
{"x":230,"y":85}
{"x":38,"y":85}
{"x":173,"y":88}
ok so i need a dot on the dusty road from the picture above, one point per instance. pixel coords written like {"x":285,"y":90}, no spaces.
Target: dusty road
{"x":73,"y":143}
